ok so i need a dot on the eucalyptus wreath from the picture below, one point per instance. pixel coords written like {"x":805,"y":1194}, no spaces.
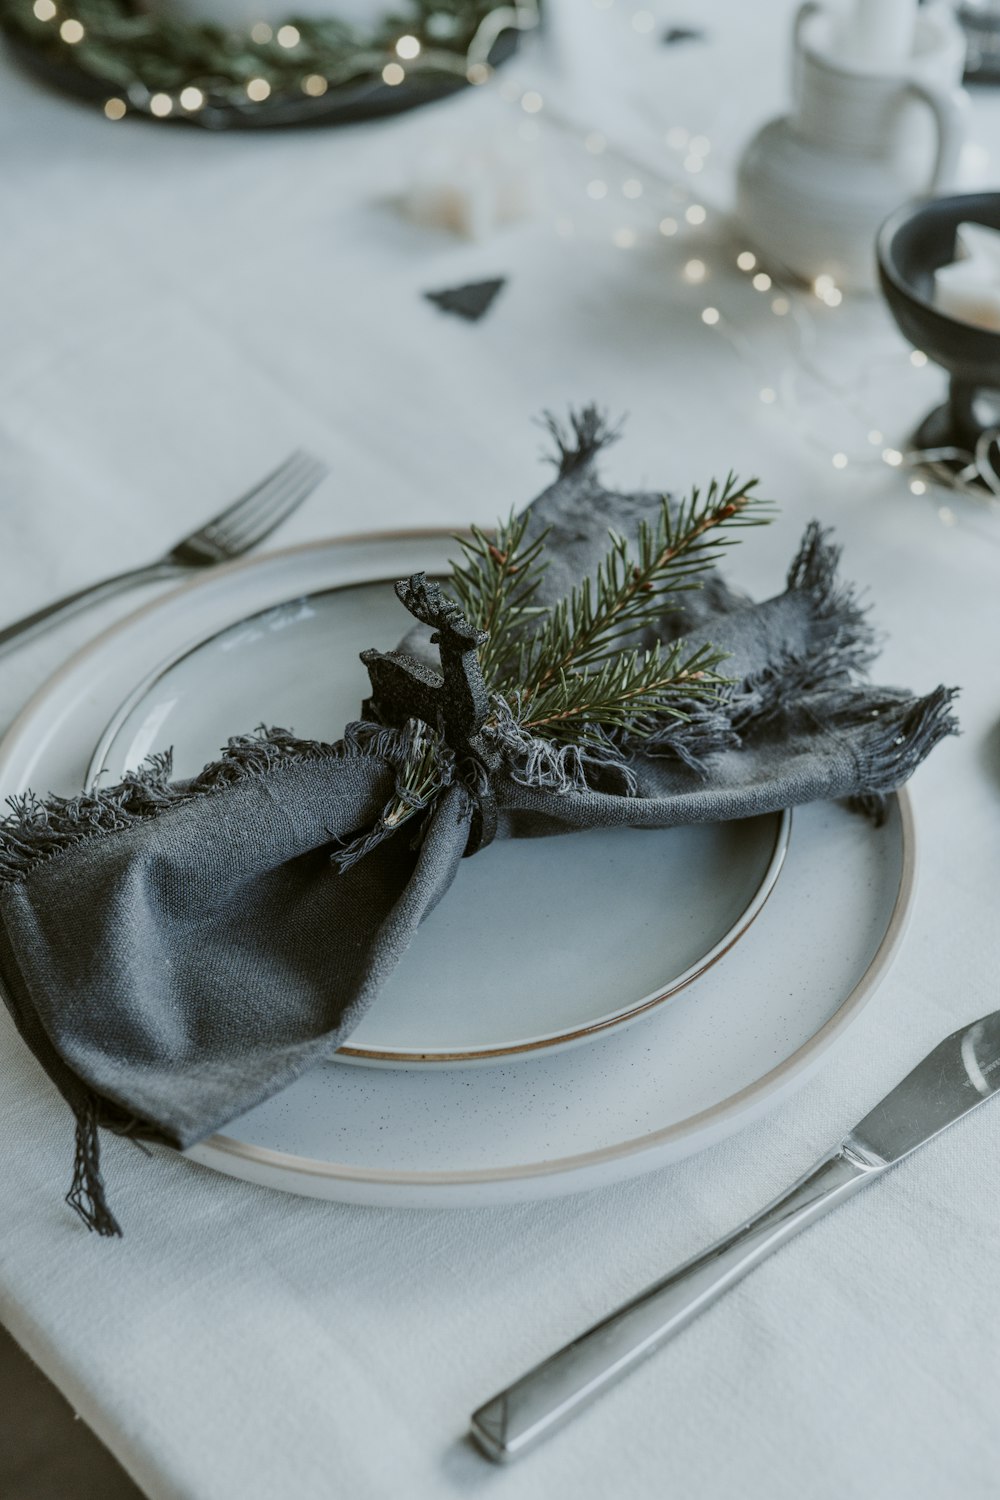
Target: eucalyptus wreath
{"x":167,"y":66}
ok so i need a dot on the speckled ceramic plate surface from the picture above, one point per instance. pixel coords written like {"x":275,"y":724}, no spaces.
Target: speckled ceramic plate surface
{"x":730,"y":1045}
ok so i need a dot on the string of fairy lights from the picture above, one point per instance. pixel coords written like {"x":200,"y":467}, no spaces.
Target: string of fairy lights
{"x":675,"y":169}
{"x":166,"y":67}
{"x":170,"y":69}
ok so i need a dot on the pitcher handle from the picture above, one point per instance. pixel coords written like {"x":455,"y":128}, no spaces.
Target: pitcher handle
{"x":948,"y":106}
{"x":804,"y":13}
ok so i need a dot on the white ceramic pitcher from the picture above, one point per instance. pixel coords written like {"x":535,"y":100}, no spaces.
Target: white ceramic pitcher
{"x":814,"y":186}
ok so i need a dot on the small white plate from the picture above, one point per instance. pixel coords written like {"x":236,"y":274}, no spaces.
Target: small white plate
{"x":737,"y":1041}
{"x":542,"y":943}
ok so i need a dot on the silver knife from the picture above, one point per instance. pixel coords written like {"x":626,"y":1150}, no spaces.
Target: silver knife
{"x":960,"y":1073}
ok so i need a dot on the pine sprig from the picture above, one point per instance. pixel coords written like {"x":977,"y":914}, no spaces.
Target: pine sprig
{"x":495,"y":583}
{"x":574,"y":672}
{"x":421,"y":776}
{"x":419,"y":780}
{"x":631,"y":589}
{"x":622,"y":693}
{"x":570,"y":688}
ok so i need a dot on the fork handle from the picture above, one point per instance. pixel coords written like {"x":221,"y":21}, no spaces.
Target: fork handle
{"x":549,"y":1395}
{"x":104,"y":588}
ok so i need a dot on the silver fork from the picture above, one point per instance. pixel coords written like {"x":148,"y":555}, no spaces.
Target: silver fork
{"x":234,"y":531}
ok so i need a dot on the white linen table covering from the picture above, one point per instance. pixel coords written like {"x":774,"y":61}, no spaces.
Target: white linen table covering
{"x":179,"y":311}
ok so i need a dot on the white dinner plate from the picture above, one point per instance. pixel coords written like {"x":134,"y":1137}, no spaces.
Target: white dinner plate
{"x":589,"y":935}
{"x":735,"y":1041}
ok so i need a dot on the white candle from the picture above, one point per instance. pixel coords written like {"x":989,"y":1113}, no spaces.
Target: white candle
{"x":978,"y":242}
{"x":473,"y":188}
{"x":879,"y":34}
{"x":969,"y":288}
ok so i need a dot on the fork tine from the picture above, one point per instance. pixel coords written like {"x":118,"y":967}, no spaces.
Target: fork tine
{"x":258,"y":490}
{"x":264,"y":524}
{"x":253,"y":523}
{"x":259,"y":501}
{"x":253,"y":516}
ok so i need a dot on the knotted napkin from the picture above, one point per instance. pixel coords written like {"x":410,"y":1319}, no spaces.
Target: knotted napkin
{"x":174,"y":953}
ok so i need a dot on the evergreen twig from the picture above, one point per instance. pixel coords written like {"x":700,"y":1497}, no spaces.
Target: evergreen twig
{"x":495,"y":583}
{"x":420,"y":780}
{"x":629,"y":590}
{"x":579,"y":673}
{"x":421,"y":777}
{"x":625,"y":691}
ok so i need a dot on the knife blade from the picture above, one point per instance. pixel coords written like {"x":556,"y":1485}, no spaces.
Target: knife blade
{"x":961,"y":1072}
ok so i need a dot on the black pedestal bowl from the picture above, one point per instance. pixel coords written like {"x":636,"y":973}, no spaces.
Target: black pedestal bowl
{"x":912,"y":243}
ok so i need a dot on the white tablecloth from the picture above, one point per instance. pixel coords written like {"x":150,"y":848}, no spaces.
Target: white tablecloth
{"x":181,"y":310}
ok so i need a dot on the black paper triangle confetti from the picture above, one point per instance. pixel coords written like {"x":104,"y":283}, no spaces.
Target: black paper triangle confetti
{"x":469,"y":302}
{"x":675,"y":35}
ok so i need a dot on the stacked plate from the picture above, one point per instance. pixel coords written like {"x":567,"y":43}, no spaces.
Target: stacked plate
{"x":577,"y":1009}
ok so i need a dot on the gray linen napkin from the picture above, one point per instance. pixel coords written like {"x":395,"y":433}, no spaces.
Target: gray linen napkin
{"x":176,"y":952}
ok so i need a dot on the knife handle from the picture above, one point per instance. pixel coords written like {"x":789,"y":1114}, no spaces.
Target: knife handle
{"x":535,"y":1406}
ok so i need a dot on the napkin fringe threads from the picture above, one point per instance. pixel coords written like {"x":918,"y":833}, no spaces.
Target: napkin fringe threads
{"x":87,"y":1195}
{"x":843,"y":646}
{"x":892,"y":731}
{"x":37,"y":829}
{"x":548,"y":766}
{"x":578,"y":443}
